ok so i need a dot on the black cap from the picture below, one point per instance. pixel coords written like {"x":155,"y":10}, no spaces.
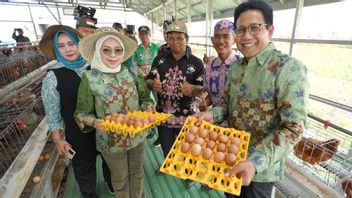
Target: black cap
{"x":130,"y":29}
{"x":143,"y":28}
{"x":117,"y":25}
{"x":165,"y":24}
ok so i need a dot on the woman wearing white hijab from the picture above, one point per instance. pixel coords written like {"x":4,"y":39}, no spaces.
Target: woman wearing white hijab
{"x":111,"y":88}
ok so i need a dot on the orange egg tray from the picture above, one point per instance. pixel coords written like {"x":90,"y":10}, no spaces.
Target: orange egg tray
{"x":187,"y":166}
{"x":131,"y":131}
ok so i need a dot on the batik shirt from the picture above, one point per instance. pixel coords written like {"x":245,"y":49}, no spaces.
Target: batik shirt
{"x":267,"y":96}
{"x":171,"y":72}
{"x":216,"y":76}
{"x":102,"y":94}
{"x":51,"y":97}
{"x":145,"y":56}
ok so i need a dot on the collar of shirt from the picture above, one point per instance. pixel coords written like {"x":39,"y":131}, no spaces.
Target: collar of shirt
{"x":261,"y":57}
{"x":228,"y":61}
{"x":187,"y":54}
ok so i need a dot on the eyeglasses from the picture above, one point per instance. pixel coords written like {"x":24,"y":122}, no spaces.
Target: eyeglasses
{"x":253,"y":28}
{"x":108,"y":51}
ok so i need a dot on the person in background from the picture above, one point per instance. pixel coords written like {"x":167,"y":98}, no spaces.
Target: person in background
{"x":129,"y":31}
{"x":85,"y":26}
{"x":165,"y":47}
{"x":176,"y":77}
{"x":216,"y":71}
{"x":266,"y":95}
{"x":59,"y":94}
{"x":118,"y":27}
{"x":20,"y":39}
{"x":108,"y":88}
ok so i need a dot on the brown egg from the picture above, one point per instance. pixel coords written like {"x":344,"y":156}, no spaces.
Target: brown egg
{"x":119,"y":119}
{"x":151,"y":118}
{"x":223,"y":139}
{"x":114,"y":116}
{"x":145,"y":121}
{"x":193,"y":129}
{"x":206,"y":154}
{"x":185,"y":147}
{"x":203,"y":133}
{"x":36,"y":179}
{"x":130,"y":122}
{"x":138,"y":123}
{"x":199,"y":141}
{"x":211,"y":144}
{"x":233,"y":148}
{"x":41,"y":158}
{"x":236,"y":141}
{"x":108,"y":117}
{"x":196,"y":149}
{"x":219,"y":157}
{"x":230,"y":159}
{"x":221,"y":147}
{"x":189,"y":137}
{"x":213,"y":136}
{"x":47,"y":157}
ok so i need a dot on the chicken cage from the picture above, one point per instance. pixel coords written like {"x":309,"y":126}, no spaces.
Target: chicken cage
{"x":16,"y":62}
{"x":325,"y":152}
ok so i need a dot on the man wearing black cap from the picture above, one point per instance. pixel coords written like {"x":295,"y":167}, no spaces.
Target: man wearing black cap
{"x":165,"y":47}
{"x":20,"y":39}
{"x":146,"y":51}
{"x":85,"y":26}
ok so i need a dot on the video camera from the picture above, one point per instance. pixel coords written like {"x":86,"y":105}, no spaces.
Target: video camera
{"x":81,"y":11}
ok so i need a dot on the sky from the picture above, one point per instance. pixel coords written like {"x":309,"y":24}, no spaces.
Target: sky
{"x":329,"y":21}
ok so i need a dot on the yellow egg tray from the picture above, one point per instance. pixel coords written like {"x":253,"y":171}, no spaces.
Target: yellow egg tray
{"x":131,"y":131}
{"x":186,"y":166}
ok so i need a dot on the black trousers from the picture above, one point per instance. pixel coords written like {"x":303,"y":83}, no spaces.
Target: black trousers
{"x":167,"y":137}
{"x":255,"y":190}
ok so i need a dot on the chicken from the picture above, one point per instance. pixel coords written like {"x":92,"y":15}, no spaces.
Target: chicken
{"x":347,"y":186}
{"x":313,"y":151}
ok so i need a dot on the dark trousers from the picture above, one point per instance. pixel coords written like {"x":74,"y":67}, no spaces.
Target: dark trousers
{"x":84,"y":169}
{"x":255,"y":190}
{"x":167,"y":137}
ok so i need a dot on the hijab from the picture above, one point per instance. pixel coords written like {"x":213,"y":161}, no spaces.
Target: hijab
{"x":97,"y":63}
{"x":79,"y":62}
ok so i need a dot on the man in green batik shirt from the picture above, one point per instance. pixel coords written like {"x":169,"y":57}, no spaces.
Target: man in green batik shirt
{"x":266,"y":94}
{"x":146,"y":51}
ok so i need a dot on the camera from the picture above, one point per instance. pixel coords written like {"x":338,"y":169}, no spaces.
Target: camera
{"x":81,"y":11}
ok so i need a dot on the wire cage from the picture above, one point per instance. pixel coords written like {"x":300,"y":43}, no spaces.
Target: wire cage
{"x":20,"y":114}
{"x":16,"y":62}
{"x":325,"y":152}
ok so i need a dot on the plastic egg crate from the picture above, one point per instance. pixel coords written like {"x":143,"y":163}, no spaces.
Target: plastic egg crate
{"x":207,"y":171}
{"x":130,"y":130}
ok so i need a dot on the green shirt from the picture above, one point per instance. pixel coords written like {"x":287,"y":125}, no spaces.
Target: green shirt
{"x":145,"y":56}
{"x":102,"y":94}
{"x":267,"y":96}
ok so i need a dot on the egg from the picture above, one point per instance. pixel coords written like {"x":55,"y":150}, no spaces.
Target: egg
{"x":213,"y":136}
{"x":235,"y":140}
{"x":108,"y":117}
{"x":185,"y":147}
{"x":230,"y":159}
{"x":119,"y":119}
{"x":196,"y":149}
{"x":41,"y":158}
{"x":223,"y":139}
{"x":199,"y":141}
{"x":219,"y":157}
{"x":233,"y":148}
{"x":145,"y":121}
{"x":47,"y":157}
{"x":151,"y":118}
{"x":36,"y":179}
{"x":138,"y":123}
{"x":206,"y":154}
{"x":211,"y":144}
{"x":193,"y":129}
{"x":203,"y":133}
{"x":221,"y":147}
{"x":189,"y":137}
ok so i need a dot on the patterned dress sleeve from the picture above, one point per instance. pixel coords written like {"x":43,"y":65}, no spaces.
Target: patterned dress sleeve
{"x":51,"y":100}
{"x":292,"y":97}
{"x":85,"y":108}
